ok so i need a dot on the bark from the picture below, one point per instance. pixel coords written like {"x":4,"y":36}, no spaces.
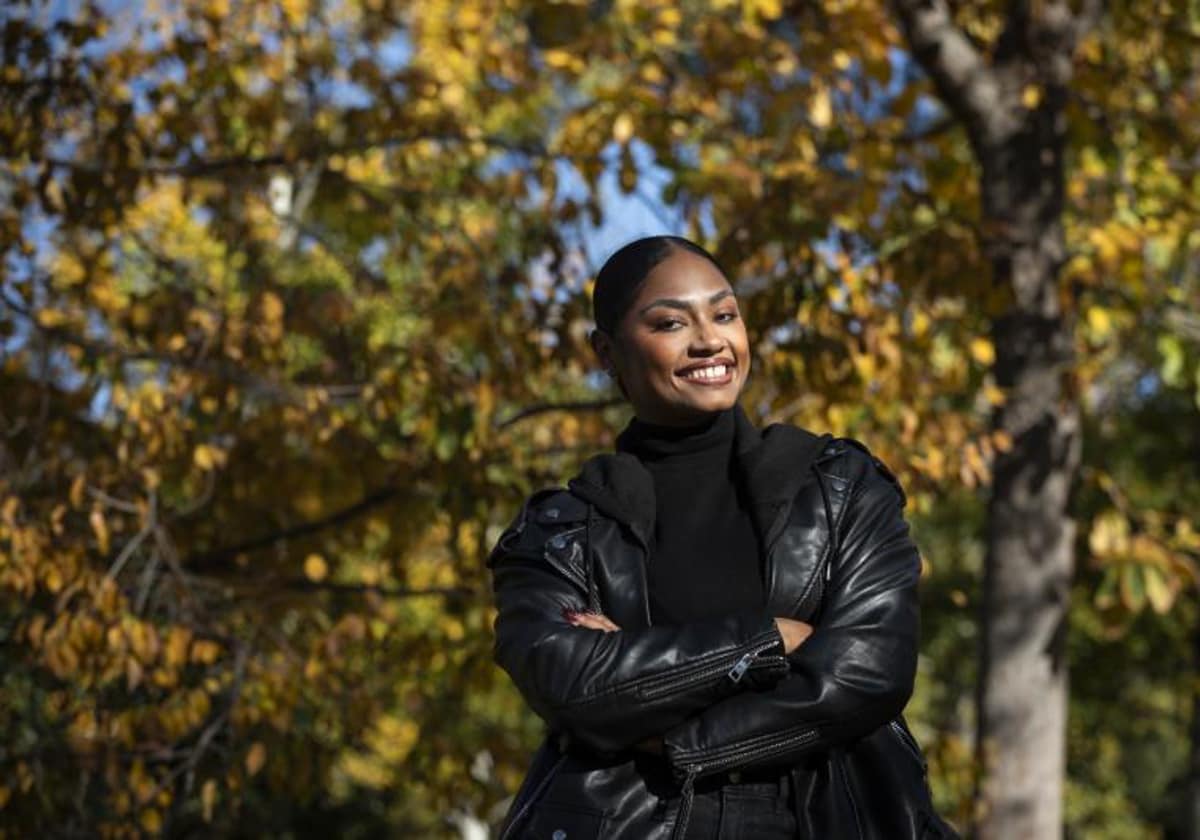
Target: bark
{"x":1011,"y":105}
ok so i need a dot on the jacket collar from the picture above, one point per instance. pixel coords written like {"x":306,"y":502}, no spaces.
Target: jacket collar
{"x":773,"y":464}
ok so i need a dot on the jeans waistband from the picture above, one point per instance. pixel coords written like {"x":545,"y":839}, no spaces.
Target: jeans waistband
{"x":770,"y":781}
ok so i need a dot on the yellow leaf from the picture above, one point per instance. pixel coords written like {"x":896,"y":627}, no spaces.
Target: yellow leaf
{"x":557,"y":58}
{"x":1099,"y":321}
{"x":100,"y":529}
{"x":920,"y":323}
{"x":1158,"y":591}
{"x":315,"y":568}
{"x":256,"y":757}
{"x":623,"y":128}
{"x":982,"y":351}
{"x":76,"y":494}
{"x":393,"y":738}
{"x":1133,"y":587}
{"x":208,"y":798}
{"x":51,"y":318}
{"x":203,"y":457}
{"x":821,"y":109}
{"x":151,"y":821}
{"x":664,"y":37}
{"x":1109,"y":534}
{"x":366,"y":770}
{"x":176,"y":647}
{"x":272,"y":307}
{"x":205,"y":651}
{"x":294,"y":10}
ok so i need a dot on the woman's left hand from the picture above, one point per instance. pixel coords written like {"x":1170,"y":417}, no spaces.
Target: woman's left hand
{"x":596,"y":621}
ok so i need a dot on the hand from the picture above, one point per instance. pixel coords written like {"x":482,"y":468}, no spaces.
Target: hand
{"x":596,"y":621}
{"x":794,"y":633}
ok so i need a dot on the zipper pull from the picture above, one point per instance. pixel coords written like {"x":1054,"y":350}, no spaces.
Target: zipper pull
{"x":739,"y":669}
{"x":685,"y":802}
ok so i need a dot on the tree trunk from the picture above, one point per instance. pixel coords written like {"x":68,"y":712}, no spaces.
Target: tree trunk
{"x":1012,"y":107}
{"x":1022,"y":700}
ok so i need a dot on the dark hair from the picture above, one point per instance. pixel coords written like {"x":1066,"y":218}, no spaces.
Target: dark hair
{"x":622,"y":273}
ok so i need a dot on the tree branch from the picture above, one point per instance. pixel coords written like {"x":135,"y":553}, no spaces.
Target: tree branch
{"x":223,"y":555}
{"x":223,"y":166}
{"x":305,"y":585}
{"x":959,"y":71}
{"x":542,"y":408}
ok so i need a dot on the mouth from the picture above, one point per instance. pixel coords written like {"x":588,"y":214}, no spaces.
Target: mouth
{"x":713,"y":373}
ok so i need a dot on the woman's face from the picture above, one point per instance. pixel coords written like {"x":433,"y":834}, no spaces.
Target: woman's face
{"x":680,"y":351}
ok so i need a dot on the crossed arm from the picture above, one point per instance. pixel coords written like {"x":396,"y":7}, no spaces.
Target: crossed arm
{"x":611,"y":690}
{"x":793,"y":632}
{"x":850,"y":674}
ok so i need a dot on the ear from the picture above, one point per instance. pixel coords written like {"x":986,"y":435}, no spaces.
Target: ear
{"x":602,"y":346}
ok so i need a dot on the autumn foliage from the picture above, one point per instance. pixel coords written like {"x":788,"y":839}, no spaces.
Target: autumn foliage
{"x":294,"y":312}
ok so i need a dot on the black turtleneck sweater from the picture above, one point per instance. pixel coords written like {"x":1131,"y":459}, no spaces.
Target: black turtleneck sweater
{"x":706,"y":559}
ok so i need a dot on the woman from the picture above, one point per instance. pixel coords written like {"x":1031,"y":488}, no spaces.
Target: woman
{"x":718,"y":623}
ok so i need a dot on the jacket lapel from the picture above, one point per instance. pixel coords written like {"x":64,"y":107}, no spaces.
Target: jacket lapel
{"x":773,"y":464}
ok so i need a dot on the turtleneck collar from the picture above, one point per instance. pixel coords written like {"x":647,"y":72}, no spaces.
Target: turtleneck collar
{"x":696,"y":446}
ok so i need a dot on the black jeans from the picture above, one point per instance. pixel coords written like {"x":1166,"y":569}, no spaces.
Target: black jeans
{"x":736,"y":809}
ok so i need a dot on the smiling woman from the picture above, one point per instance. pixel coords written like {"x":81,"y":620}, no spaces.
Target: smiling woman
{"x":717,"y":622}
{"x":669,"y":331}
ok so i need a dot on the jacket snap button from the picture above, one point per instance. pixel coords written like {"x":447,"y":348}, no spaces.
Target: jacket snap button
{"x":558,"y":541}
{"x":558,"y":834}
{"x":552,"y":513}
{"x":735,"y":776}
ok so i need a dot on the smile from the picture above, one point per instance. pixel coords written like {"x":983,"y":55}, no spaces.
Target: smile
{"x":710,"y":374}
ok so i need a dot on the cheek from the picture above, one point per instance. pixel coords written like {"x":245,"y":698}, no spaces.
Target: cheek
{"x":739,"y":340}
{"x":656,"y":358}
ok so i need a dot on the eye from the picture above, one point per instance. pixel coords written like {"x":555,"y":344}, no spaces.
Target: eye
{"x":728,"y":315}
{"x":667,"y":324}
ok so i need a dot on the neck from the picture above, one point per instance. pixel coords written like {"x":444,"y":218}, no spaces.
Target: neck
{"x":706,"y":442}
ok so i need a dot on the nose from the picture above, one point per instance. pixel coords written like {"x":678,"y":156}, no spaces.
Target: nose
{"x":706,"y":339}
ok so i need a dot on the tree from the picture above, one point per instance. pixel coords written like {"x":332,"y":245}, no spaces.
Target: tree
{"x":1012,"y":109}
{"x":295,"y":308}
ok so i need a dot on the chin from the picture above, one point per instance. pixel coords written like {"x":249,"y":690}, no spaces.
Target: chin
{"x":710,"y":406}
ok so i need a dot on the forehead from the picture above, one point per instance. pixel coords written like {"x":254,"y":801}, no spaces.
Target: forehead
{"x":682,"y":275}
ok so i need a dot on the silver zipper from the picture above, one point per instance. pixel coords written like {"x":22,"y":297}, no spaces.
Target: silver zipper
{"x":719,"y":759}
{"x":666,"y":683}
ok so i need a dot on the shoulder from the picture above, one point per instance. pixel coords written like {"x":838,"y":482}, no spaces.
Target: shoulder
{"x":547,"y":520}
{"x":852,"y":461}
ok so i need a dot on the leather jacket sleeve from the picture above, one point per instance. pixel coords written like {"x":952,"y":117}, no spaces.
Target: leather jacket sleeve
{"x":612,"y":689}
{"x":852,"y":675}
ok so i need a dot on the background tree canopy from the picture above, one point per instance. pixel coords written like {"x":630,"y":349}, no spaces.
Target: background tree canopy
{"x":295,"y":302}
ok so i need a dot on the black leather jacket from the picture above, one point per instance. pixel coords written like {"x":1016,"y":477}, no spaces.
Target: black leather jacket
{"x":719,"y":691}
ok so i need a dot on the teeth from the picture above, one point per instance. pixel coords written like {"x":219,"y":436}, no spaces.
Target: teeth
{"x":711,"y":372}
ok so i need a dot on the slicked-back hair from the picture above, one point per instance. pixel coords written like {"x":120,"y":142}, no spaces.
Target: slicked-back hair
{"x":624,"y":271}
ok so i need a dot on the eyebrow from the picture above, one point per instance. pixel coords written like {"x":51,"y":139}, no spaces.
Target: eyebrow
{"x":675,"y":303}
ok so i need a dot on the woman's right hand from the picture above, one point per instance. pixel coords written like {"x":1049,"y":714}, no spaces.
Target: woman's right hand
{"x":794,"y":633}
